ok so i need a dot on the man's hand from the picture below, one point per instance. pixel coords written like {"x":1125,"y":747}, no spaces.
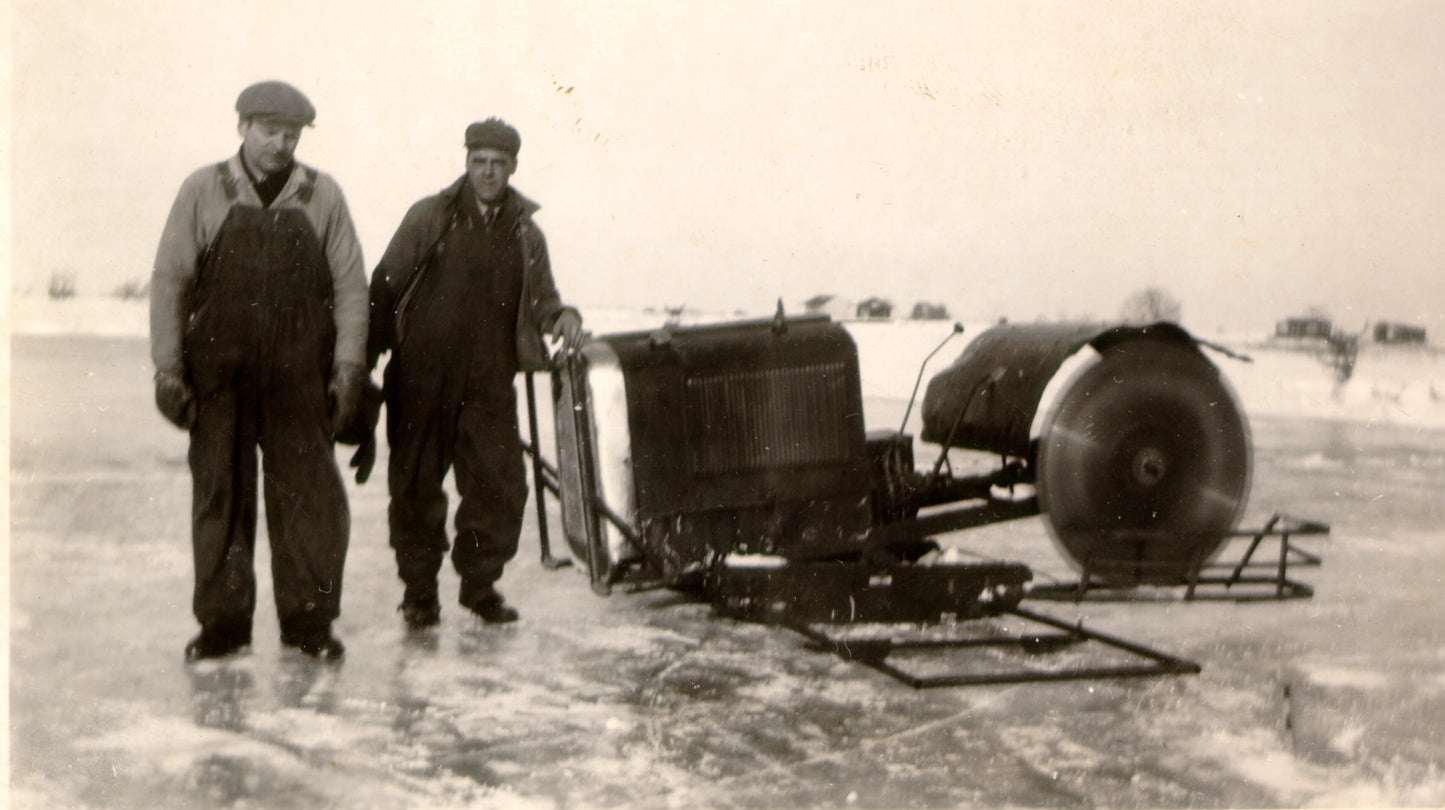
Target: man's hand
{"x":347,"y":380}
{"x":175,"y":399}
{"x":568,"y":327}
{"x":364,"y":458}
{"x":361,"y":429}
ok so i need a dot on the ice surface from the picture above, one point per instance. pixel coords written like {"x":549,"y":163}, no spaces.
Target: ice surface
{"x":647,"y":700}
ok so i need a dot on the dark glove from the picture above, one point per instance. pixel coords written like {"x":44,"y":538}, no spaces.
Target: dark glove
{"x":361,"y":430}
{"x":347,"y":382}
{"x":364,"y":458}
{"x":175,"y":399}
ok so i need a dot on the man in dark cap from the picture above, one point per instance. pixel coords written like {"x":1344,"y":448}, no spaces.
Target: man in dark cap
{"x":462,"y":299}
{"x":258,"y":333}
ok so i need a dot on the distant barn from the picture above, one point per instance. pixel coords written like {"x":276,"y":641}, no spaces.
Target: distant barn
{"x":1398,"y":333}
{"x":926,"y":311}
{"x":830,"y":305}
{"x":1303,"y":328}
{"x":875,"y":308}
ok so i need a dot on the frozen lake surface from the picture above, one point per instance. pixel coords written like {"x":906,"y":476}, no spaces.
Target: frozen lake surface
{"x":647,"y":700}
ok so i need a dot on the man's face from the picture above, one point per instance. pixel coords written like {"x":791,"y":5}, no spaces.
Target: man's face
{"x":268,"y":144}
{"x":489,"y":171}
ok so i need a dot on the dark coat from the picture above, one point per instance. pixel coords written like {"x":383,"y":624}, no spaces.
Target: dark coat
{"x":411,"y":251}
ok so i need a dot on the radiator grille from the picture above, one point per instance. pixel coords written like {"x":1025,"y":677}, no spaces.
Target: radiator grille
{"x":746,"y":421}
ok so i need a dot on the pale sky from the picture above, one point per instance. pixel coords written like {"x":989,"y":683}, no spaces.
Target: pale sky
{"x":1008,"y":159}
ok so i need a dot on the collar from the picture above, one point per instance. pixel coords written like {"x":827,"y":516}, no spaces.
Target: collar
{"x":295,"y":178}
{"x":462,"y":188}
{"x":286,"y":171}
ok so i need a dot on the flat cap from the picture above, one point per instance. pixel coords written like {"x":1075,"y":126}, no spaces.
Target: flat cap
{"x":275,"y":100}
{"x":494,"y":133}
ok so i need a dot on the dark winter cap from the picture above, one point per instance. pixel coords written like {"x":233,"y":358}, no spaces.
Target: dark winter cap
{"x":275,"y":100}
{"x":494,"y":133}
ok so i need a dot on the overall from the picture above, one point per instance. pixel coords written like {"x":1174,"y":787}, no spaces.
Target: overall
{"x":451,"y":405}
{"x":258,"y":349}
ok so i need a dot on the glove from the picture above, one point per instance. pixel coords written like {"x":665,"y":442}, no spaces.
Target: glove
{"x":361,"y":430}
{"x":364,"y":458}
{"x":175,"y":399}
{"x":347,"y":381}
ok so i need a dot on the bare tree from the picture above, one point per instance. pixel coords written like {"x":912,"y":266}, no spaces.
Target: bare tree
{"x":1342,"y":350}
{"x":132,"y":290}
{"x":1149,"y":305}
{"x":62,"y":285}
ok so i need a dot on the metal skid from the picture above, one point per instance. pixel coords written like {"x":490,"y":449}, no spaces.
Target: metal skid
{"x":1016,"y":656}
{"x":1205,"y":581}
{"x":930,"y":625}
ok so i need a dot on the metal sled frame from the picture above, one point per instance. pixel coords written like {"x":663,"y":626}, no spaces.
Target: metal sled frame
{"x":548,"y":479}
{"x":545,"y":479}
{"x":1276,"y":585}
{"x":874,"y":653}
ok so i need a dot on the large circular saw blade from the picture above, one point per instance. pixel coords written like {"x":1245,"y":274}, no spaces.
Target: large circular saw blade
{"x":1143,"y":464}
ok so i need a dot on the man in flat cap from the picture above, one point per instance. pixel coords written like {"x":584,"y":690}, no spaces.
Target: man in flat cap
{"x":258,"y":333}
{"x":462,"y":300}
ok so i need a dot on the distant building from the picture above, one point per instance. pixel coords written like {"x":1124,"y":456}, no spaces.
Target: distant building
{"x":875,"y":308}
{"x":925,"y":311}
{"x":830,"y":305}
{"x":818,"y":302}
{"x":1398,"y":333}
{"x":1299,"y":328}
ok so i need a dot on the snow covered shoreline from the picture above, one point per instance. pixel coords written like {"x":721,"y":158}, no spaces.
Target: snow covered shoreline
{"x":1395,"y":386}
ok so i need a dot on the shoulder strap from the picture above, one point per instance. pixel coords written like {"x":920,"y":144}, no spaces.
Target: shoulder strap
{"x":414,"y":280}
{"x":228,"y":180}
{"x":307,"y":187}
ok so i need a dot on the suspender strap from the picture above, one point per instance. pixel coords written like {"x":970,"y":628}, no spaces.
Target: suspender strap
{"x":304,"y":193}
{"x":228,"y":180}
{"x":228,"y":183}
{"x":414,"y":280}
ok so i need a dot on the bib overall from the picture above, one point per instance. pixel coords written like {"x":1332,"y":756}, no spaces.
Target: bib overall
{"x":451,"y":405}
{"x":258,"y":349}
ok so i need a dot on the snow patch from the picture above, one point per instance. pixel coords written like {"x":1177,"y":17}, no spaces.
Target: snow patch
{"x":1347,"y":741}
{"x":1343,"y":678}
{"x":1258,"y":758}
{"x":314,"y":731}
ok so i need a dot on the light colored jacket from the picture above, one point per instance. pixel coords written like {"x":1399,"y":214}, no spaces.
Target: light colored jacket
{"x":196,"y":217}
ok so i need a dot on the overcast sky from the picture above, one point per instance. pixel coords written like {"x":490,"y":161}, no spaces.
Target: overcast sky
{"x":1008,"y":159}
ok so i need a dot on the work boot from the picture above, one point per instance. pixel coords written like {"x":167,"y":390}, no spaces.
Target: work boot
{"x":217,"y":641}
{"x":489,"y":605}
{"x":421,"y":614}
{"x":323,"y":647}
{"x":317,"y":643}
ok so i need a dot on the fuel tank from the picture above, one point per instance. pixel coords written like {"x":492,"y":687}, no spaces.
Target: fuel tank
{"x":987,"y":399}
